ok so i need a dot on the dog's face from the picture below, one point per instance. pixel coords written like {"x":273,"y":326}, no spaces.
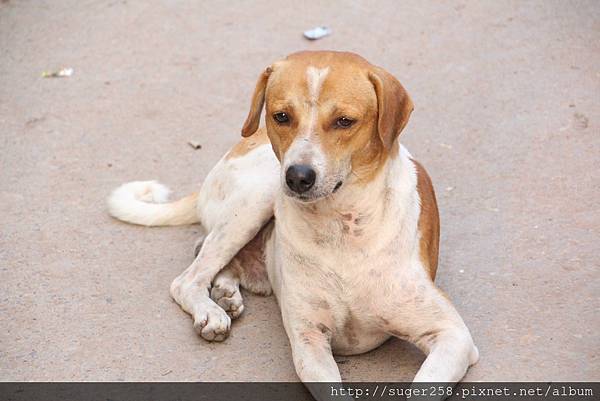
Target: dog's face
{"x":332,"y":119}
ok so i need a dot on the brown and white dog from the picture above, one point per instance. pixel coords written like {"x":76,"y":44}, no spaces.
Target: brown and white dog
{"x":327,"y":209}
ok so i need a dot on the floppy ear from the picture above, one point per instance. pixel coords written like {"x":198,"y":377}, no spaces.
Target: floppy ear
{"x":258,"y":99}
{"x":393,"y":104}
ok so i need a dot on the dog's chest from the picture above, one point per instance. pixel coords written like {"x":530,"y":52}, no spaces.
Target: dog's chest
{"x":338,"y":268}
{"x":342,"y":288}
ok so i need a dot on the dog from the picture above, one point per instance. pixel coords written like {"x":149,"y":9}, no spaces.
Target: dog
{"x":327,"y":210}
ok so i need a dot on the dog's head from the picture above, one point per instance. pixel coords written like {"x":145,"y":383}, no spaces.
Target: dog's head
{"x":332,"y":119}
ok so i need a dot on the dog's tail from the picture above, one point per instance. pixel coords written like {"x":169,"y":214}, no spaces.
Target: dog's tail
{"x":145,"y":203}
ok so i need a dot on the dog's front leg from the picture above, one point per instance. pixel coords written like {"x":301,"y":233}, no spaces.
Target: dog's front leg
{"x":314,"y":362}
{"x":431,"y":322}
{"x":448,"y":343}
{"x":450,"y":353}
{"x":312,"y":355}
{"x":310,"y":340}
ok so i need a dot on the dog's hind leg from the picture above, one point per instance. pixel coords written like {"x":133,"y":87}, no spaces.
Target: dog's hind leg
{"x":248,"y":269}
{"x":191,"y":288}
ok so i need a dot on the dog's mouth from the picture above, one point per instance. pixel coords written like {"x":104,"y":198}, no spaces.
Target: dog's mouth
{"x":304,"y":198}
{"x":312,"y":197}
{"x":337,"y":186}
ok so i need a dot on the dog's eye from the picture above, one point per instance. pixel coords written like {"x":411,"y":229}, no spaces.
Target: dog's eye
{"x":344,"y":122}
{"x":281,"y":118}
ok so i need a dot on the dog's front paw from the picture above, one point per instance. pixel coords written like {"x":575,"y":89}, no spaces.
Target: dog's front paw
{"x":229,"y":298}
{"x":212,"y":322}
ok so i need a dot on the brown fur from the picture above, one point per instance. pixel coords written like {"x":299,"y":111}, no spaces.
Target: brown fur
{"x":429,"y":222}
{"x":258,"y":99}
{"x":394,"y":105}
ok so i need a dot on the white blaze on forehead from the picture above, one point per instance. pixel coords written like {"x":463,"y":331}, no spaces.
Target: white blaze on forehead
{"x":315,"y":78}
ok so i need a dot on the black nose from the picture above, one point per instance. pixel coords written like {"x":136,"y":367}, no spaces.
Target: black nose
{"x":300,"y":178}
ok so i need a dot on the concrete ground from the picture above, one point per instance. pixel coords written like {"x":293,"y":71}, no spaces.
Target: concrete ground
{"x":506,"y":121}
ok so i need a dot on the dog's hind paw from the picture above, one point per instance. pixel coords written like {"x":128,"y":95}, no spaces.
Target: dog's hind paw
{"x":229,"y":298}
